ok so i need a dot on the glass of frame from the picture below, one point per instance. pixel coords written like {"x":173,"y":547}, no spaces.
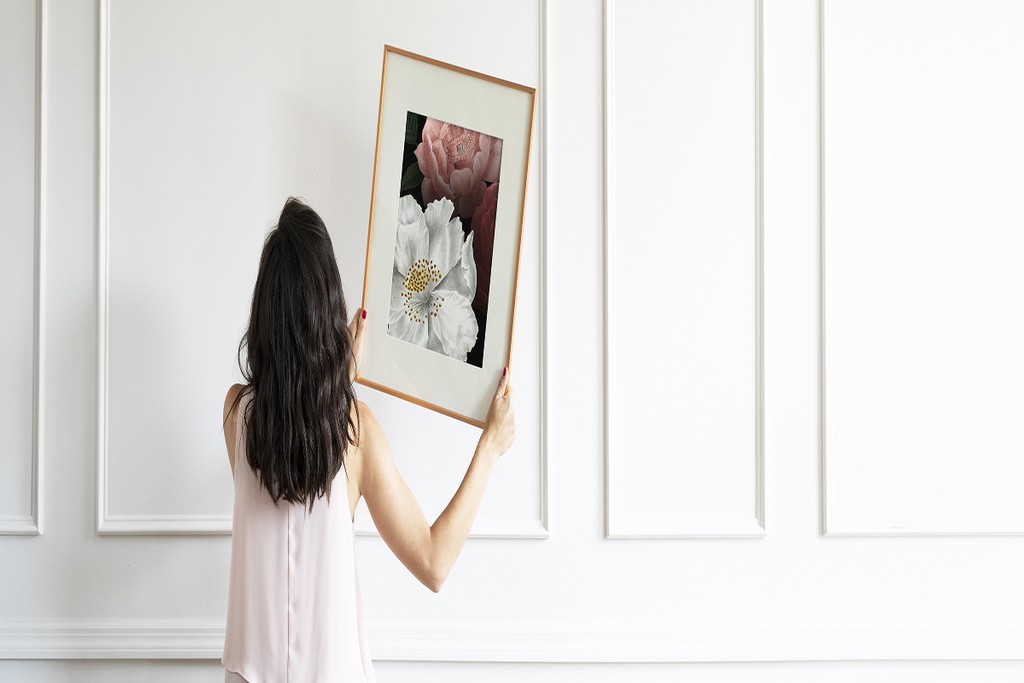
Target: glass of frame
{"x":446,"y":219}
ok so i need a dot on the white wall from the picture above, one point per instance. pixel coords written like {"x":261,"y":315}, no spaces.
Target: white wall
{"x":697,"y":488}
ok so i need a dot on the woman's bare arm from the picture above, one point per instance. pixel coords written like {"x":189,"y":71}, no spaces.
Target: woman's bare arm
{"x":430,"y":551}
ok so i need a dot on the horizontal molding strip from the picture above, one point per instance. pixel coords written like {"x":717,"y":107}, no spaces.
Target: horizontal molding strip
{"x":866,"y":526}
{"x":549,"y":642}
{"x":111,"y":639}
{"x":165,"y":525}
{"x":12,"y":525}
{"x":724,"y":527}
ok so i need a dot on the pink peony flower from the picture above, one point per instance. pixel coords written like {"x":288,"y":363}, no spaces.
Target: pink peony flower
{"x":483,"y":244}
{"x":457,"y":163}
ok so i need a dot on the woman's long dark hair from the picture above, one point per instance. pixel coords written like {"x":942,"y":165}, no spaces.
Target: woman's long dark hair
{"x":300,"y":420}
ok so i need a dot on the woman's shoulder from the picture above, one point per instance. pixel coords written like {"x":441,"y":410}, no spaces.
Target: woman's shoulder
{"x":367,"y":426}
{"x":231,"y":400}
{"x":230,"y":421}
{"x":363,"y":411}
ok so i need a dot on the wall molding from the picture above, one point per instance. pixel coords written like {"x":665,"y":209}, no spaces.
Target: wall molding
{"x":704,"y":527}
{"x":719,"y":641}
{"x":743,"y":527}
{"x":111,"y":639}
{"x":32,"y":524}
{"x":184,"y":524}
{"x":107,"y":523}
{"x":541,"y":167}
{"x":833,"y":524}
{"x":160,"y":525}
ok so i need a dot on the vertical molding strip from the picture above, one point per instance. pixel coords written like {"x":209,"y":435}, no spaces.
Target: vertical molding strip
{"x":101,"y":271}
{"x":753,"y":527}
{"x":545,"y":275}
{"x":32,"y":524}
{"x":821,"y":269}
{"x":40,"y":243}
{"x":759,"y":261}
{"x":609,"y":204}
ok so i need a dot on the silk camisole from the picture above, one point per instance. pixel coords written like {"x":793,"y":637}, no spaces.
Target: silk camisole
{"x":294,"y":611}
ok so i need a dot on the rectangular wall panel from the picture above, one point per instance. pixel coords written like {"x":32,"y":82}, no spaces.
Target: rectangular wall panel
{"x":20,"y":73}
{"x":206,"y":127}
{"x":683,"y":259}
{"x":922,"y":266}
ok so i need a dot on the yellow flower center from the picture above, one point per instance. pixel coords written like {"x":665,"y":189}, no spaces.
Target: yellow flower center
{"x":418,"y":302}
{"x":421,"y":273}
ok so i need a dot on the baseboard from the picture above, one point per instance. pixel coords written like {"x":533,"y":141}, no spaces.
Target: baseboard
{"x":717,"y":641}
{"x":111,"y":639}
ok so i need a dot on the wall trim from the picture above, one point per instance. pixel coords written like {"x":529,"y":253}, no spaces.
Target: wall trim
{"x":107,"y":523}
{"x":705,"y":527}
{"x":740,"y":527}
{"x":545,"y":276}
{"x":32,"y":524}
{"x":161,"y":525}
{"x":111,"y":639}
{"x":549,"y":642}
{"x":832,"y":523}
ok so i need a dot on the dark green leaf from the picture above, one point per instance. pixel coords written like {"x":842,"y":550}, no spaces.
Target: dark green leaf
{"x":412,"y":178}
{"x":412,"y":124}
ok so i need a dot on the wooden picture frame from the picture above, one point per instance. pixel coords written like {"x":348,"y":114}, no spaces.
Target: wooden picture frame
{"x":446,"y":216}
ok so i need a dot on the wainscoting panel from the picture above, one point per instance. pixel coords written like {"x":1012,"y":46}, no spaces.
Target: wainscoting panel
{"x":21,"y":74}
{"x":922,"y":267}
{"x":683,"y":269}
{"x":203,"y":133}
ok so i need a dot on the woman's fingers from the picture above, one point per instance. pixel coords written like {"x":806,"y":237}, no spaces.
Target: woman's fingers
{"x":360,"y":321}
{"x":502,"y":384}
{"x":500,"y":428}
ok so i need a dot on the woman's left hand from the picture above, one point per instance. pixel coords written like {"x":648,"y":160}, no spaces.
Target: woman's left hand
{"x":355,"y":329}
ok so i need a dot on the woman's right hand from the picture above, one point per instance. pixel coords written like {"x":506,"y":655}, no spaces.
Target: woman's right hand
{"x":500,"y":427}
{"x":355,"y":330}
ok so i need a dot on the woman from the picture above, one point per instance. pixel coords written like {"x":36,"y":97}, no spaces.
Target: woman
{"x":303,"y":451}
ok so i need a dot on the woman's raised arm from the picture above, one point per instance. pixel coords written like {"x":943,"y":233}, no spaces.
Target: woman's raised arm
{"x":429,"y":551}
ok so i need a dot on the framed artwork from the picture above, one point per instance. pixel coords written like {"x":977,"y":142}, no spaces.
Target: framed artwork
{"x":446,"y":218}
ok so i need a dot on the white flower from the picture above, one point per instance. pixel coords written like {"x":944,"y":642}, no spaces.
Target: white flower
{"x":434,"y":280}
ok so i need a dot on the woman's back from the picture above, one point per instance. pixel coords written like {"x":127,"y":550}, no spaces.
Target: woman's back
{"x":293,"y":596}
{"x":293,"y":601}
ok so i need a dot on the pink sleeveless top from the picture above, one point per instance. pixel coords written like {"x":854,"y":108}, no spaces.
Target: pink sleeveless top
{"x":294,"y":612}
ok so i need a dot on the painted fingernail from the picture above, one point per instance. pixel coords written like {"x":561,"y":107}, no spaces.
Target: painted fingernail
{"x":364,"y":314}
{"x":504,"y":372}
